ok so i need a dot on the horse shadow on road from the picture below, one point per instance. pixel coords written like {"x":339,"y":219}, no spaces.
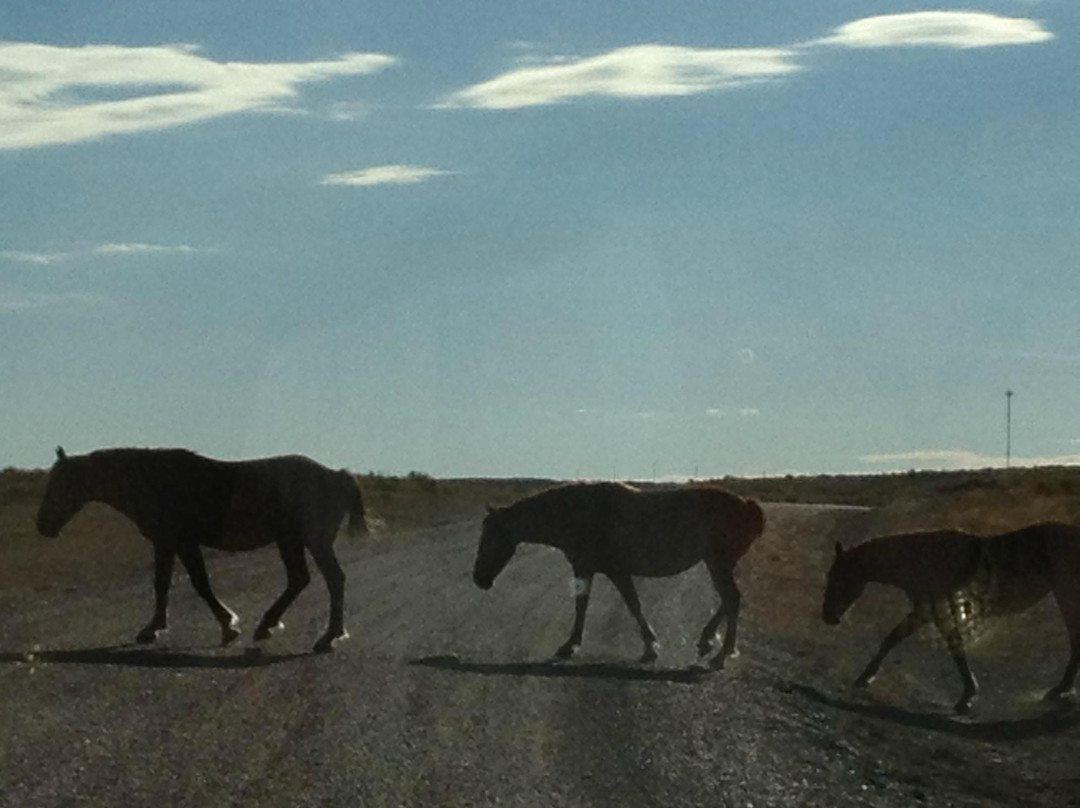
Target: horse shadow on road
{"x":1050,"y":721}
{"x":137,"y":656}
{"x":553,"y":669}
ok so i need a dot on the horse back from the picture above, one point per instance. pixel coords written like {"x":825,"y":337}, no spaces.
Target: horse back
{"x":665,"y":532}
{"x":278,"y":498}
{"x":173,"y":495}
{"x":1009,"y":572}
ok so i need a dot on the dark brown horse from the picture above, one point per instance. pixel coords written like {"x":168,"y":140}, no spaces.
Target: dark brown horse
{"x":621,"y":531}
{"x":180,"y":500}
{"x":955,"y":579}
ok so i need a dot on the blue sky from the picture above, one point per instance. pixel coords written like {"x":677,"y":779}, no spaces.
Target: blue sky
{"x":576,"y":239}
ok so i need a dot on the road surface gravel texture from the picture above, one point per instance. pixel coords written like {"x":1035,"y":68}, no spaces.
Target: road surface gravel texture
{"x":444,"y":695}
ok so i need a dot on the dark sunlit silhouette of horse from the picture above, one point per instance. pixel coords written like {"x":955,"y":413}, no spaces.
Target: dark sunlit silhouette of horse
{"x":620,"y":531}
{"x":180,"y":500}
{"x":955,"y":580}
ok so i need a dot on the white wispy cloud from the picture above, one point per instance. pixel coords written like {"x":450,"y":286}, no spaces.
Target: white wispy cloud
{"x":946,"y":29}
{"x":119,"y":249}
{"x":961,"y":459}
{"x":740,"y":412}
{"x":347,"y":111}
{"x":656,"y":70}
{"x":52,"y":94}
{"x":26,"y":257}
{"x":383,"y":175}
{"x":140,"y":248}
{"x":638,"y":71}
{"x":17,"y":300}
{"x":681,"y":415}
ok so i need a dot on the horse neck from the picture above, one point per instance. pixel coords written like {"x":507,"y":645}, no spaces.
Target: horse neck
{"x":531,"y":526}
{"x":877,"y":561}
{"x":114,"y":484}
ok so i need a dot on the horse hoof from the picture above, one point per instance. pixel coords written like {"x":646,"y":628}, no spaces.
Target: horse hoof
{"x":148,"y":635}
{"x":649,"y":657}
{"x":717,"y":663}
{"x":228,"y":635}
{"x":566,"y":651}
{"x":327,"y":642}
{"x":707,"y":646}
{"x":862,"y":682}
{"x":963,"y":707}
{"x":265,"y":632}
{"x":1057,"y":695}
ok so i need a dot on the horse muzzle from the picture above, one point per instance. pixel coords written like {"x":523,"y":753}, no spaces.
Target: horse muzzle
{"x":483,"y":581}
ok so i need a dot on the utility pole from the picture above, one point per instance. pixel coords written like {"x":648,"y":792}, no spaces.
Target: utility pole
{"x":1008,"y":427}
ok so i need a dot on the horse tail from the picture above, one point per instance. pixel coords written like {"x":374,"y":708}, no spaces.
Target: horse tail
{"x":755,"y":518}
{"x":737,"y":521}
{"x":357,"y":523}
{"x":751,"y":523}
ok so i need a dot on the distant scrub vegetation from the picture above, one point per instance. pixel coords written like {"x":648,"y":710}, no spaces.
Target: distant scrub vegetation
{"x":981,"y":500}
{"x":419,"y":499}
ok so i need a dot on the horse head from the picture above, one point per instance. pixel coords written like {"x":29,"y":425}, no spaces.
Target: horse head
{"x":843,"y":587}
{"x":65,"y":492}
{"x":497,"y":547}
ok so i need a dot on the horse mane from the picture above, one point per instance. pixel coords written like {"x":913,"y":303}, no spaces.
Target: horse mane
{"x":123,"y":476}
{"x":543,"y":499}
{"x":123,"y":452}
{"x":137,"y":461}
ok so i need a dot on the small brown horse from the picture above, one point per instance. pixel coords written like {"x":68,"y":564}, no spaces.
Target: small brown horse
{"x":620,"y":531}
{"x":954,"y":579}
{"x":180,"y":500}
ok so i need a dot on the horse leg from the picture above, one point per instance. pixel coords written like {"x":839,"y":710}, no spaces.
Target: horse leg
{"x":582,"y":587}
{"x":625,"y":585}
{"x":950,"y":631}
{"x":723,"y":580}
{"x":1069,"y":603}
{"x":326,"y":561}
{"x":905,"y":628}
{"x":298,"y":577}
{"x":164,"y":555}
{"x":192,"y":559}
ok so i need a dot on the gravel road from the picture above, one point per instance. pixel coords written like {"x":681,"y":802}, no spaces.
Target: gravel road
{"x":444,"y":695}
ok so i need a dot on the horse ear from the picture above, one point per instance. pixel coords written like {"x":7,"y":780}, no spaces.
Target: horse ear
{"x":60,"y":454}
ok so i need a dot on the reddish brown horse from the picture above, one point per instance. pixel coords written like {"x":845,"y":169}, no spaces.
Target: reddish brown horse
{"x":955,"y":579}
{"x":180,"y":500}
{"x":621,"y":531}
